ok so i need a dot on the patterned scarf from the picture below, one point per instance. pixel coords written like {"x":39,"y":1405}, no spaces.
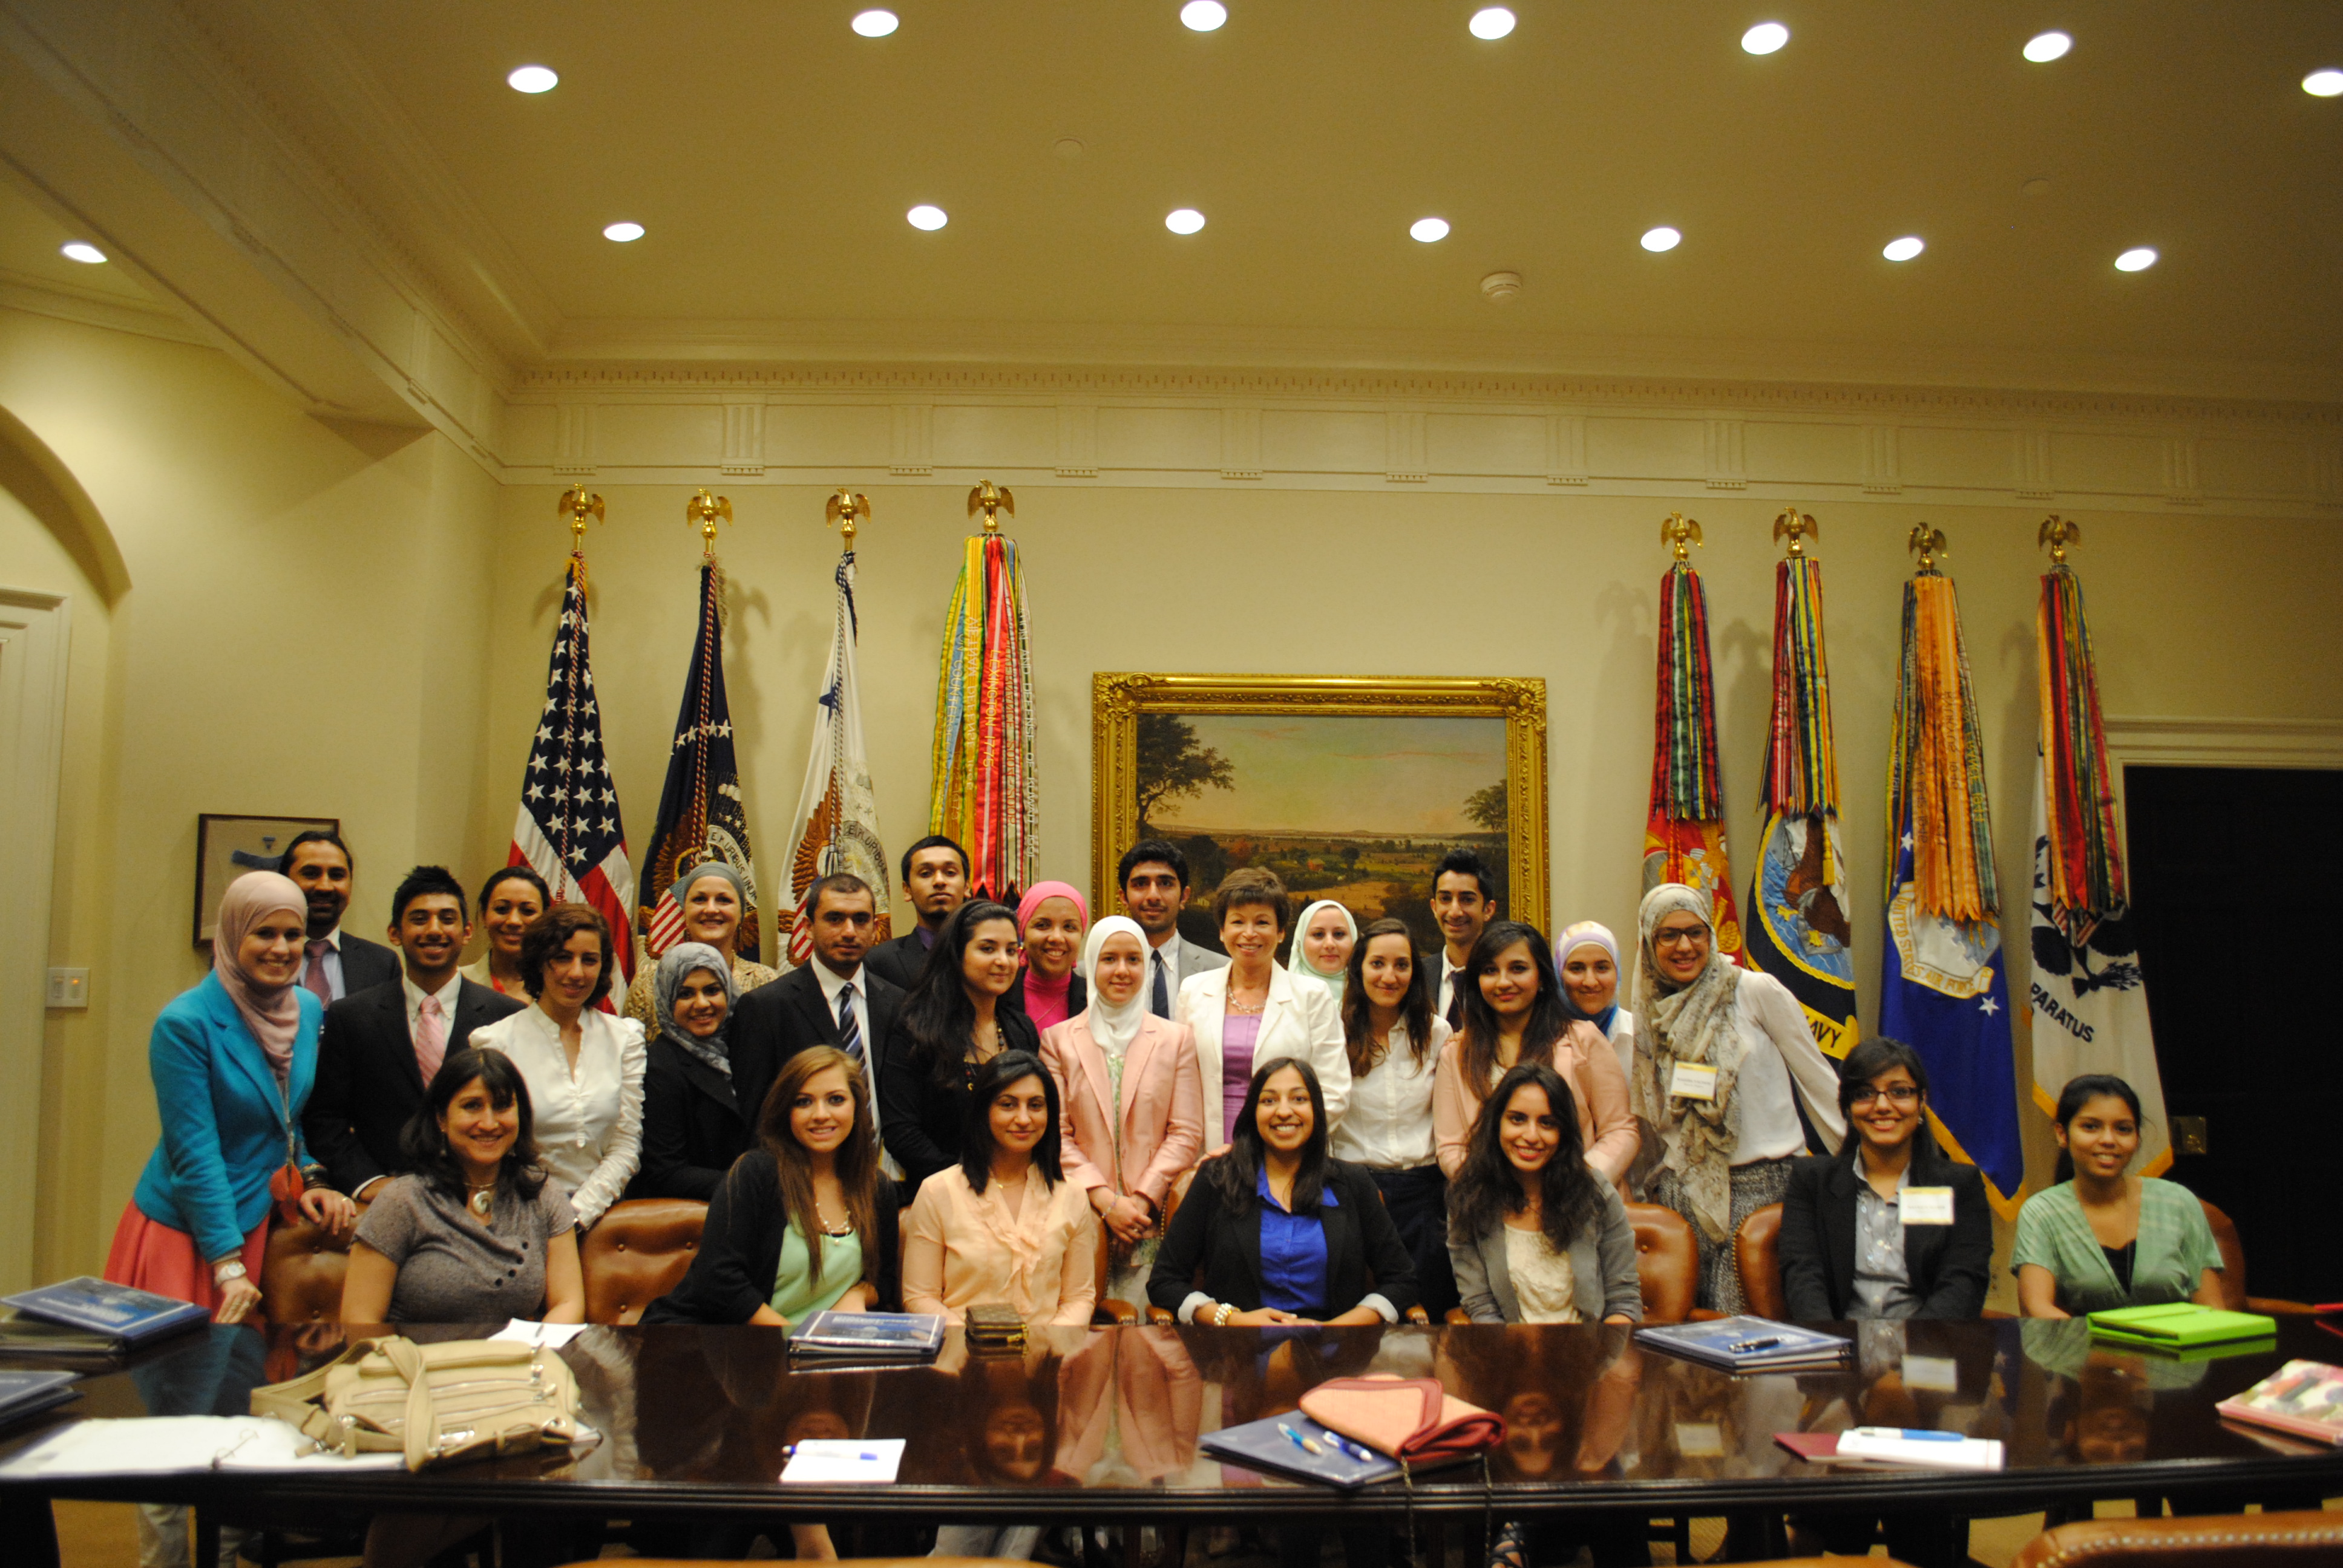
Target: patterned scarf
{"x":675,"y":966}
{"x":1695,"y":1023}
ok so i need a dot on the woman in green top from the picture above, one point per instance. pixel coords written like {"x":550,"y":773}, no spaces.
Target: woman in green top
{"x":2103,"y":1237}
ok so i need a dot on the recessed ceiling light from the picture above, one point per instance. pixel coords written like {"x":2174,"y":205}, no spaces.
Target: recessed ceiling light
{"x":1429,"y":229}
{"x":82,"y":251}
{"x":2323,"y":84}
{"x":533,"y":79}
{"x":1765,"y":38}
{"x":1904,"y":249}
{"x":2044,"y":47}
{"x":623,"y":232}
{"x":927,"y":217}
{"x":875,"y":24}
{"x":1183,"y":220}
{"x":1662,"y":238}
{"x":1490,"y":22}
{"x":1202,"y":15}
{"x":2137,"y":259}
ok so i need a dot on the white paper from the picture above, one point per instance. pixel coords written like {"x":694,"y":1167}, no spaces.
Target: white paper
{"x":1699,"y":1439}
{"x":160,"y":1445}
{"x":1691,"y":1080}
{"x":1925,"y":1205}
{"x":1932,"y":1374}
{"x":835,"y":1462}
{"x":552,"y":1336}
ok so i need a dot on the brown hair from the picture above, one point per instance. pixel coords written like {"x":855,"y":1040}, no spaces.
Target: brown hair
{"x":857,"y":1160}
{"x":1250,"y":885}
{"x":1360,"y":1043}
{"x":550,"y":932}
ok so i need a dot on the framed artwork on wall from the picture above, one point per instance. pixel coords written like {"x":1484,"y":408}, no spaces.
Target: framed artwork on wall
{"x":1346,"y":787}
{"x":227,"y":847}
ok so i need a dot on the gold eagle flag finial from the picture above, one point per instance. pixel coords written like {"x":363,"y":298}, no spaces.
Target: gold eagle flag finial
{"x":705,"y":510}
{"x":2057,"y":533}
{"x":1795,"y":525}
{"x":1929,"y":543}
{"x":849,"y":510}
{"x":1680,"y":532}
{"x":992,"y":500}
{"x":577,"y":504}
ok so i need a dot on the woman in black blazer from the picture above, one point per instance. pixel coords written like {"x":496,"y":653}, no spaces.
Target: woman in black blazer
{"x":954,"y":1020}
{"x":815,"y":1175}
{"x":694,"y":1126}
{"x":1933,"y":1253}
{"x":1283,"y":1233}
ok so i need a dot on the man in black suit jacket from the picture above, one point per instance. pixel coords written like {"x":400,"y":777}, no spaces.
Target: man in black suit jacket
{"x":337,"y":963}
{"x":803,"y":1008}
{"x":370,"y":1077}
{"x":935,"y":883}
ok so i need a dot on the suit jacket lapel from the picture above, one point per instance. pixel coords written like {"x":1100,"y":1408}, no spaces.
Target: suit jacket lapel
{"x":1095,"y":1076}
{"x":715,"y":1085}
{"x":814,"y":1007}
{"x":1840,"y":1227}
{"x":239,"y":1048}
{"x":1153,"y":1032}
{"x":1345,"y":1242}
{"x":391,"y":1019}
{"x":1921,"y":1242}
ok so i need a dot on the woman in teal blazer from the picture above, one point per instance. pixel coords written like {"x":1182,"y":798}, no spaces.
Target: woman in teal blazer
{"x":232,"y":1061}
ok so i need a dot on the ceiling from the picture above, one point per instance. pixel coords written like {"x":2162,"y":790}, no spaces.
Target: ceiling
{"x":772,"y":154}
{"x":31,"y":252}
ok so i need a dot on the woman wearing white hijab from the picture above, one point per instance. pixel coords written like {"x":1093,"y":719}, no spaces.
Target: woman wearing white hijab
{"x":1322,"y":939}
{"x":1723,"y":1057}
{"x":1586,"y":957}
{"x":1133,"y":1098}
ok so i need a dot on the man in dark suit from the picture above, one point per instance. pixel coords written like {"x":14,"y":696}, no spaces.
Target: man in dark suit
{"x":1153,"y":875}
{"x":1463,"y":903}
{"x":336,"y":962}
{"x":382,"y":1044}
{"x":835,"y":1000}
{"x":935,"y":883}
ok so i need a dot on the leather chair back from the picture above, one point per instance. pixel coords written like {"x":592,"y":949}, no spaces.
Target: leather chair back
{"x":637,"y":1252}
{"x":1757,"y":1249}
{"x":301,"y":1274}
{"x":1667,"y":1263}
{"x":2233,"y":1257}
{"x":2218,"y":1541}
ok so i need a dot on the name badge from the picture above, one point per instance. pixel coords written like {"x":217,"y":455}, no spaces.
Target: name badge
{"x":1926,"y":1206}
{"x":1699,"y":1439}
{"x":1691,"y":1080}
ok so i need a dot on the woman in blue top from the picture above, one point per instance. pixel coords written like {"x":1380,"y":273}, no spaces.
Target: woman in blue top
{"x":232,"y":1061}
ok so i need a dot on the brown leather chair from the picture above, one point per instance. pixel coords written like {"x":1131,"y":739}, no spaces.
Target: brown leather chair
{"x":1159,"y":1316}
{"x":1106,"y":1310}
{"x":637,"y":1253}
{"x":1757,"y":1249}
{"x":2216,"y":1541}
{"x":2233,"y":1271}
{"x":1667,"y":1264}
{"x":301,"y":1273}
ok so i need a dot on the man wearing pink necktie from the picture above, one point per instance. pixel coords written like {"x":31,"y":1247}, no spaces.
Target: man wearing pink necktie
{"x":337,"y":964}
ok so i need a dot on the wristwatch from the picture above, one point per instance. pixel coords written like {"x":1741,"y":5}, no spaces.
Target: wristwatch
{"x":231,"y":1270}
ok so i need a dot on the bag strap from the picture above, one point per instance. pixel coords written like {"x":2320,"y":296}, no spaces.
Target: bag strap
{"x":422,"y":1432}
{"x":296,"y":1402}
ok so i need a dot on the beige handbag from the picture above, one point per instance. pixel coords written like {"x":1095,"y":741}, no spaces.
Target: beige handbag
{"x":438,"y":1404}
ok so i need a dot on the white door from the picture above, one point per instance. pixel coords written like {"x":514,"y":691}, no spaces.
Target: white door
{"x":33,"y":645}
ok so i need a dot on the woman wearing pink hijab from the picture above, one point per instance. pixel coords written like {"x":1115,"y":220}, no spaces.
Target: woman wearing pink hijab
{"x":1050,"y":920}
{"x":232,"y":1061}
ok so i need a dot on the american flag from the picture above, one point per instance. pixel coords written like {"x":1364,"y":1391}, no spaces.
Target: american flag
{"x":568,"y":829}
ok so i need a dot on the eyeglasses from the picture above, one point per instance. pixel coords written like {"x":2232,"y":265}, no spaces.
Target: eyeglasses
{"x":1681,"y":936}
{"x":1897,"y":1094}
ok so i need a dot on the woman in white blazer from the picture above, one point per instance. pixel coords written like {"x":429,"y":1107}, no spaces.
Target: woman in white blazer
{"x":1254,"y":1012}
{"x":584,"y":1066}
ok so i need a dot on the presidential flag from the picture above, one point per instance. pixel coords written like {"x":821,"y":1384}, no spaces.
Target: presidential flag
{"x":701,"y":815}
{"x":835,"y":828}
{"x":1683,"y":835}
{"x":1943,"y":989}
{"x":982,"y":780}
{"x":568,"y":830}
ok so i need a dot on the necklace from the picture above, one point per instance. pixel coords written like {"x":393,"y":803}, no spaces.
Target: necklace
{"x":482,"y":1199}
{"x":842,"y":1228}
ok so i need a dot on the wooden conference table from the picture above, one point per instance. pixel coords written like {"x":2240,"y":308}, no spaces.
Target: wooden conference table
{"x":1101,"y":1424}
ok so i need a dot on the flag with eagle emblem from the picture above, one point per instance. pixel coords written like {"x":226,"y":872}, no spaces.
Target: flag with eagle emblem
{"x":701,"y":814}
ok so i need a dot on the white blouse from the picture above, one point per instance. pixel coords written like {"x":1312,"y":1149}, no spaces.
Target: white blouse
{"x":1779,"y":1060}
{"x":589,"y":1126}
{"x":1388,"y":1124}
{"x":1623,"y":1042}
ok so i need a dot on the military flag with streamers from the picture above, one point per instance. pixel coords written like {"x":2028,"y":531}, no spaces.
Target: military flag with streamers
{"x":982,"y":782}
{"x":568,"y":830}
{"x":702,"y":815}
{"x":1683,"y":837}
{"x":1943,"y":986}
{"x":835,"y":828}
{"x":2089,"y":1000}
{"x":1797,"y":928}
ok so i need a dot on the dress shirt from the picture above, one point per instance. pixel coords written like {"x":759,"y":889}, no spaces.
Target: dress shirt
{"x":1882,"y":1286}
{"x":1448,"y":973}
{"x":333,"y":962}
{"x":589,"y":1125}
{"x":963,"y":1249}
{"x":1388,"y":1122}
{"x":445,"y":996}
{"x":831,"y":983}
{"x":1776,"y":1043}
{"x":1292,"y":1254}
{"x":1166,"y":955}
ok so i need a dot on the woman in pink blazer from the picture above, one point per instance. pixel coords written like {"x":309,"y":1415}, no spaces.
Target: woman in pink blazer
{"x":1133,"y":1099}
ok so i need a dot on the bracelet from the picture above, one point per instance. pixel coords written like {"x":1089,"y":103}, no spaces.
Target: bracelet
{"x":1221,"y":1316}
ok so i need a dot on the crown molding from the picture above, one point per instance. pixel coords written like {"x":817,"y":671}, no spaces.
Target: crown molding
{"x":93,"y":308}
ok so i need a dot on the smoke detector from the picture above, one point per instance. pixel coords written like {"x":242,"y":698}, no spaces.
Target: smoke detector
{"x":1501,"y":287}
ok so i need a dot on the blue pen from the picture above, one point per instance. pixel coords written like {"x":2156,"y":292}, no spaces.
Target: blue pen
{"x":1358,"y":1451}
{"x":1299,"y":1442}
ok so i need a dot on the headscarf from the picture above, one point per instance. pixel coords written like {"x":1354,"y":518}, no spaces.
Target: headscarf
{"x":1301,"y":964}
{"x":682,"y":888}
{"x":272,"y":1013}
{"x":1588,"y":934}
{"x":1694,"y":1024}
{"x":674,"y":966}
{"x":1045,"y":1000}
{"x":1114,"y":1027}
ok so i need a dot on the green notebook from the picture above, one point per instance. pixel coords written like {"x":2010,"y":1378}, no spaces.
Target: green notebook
{"x":2179,"y":1326}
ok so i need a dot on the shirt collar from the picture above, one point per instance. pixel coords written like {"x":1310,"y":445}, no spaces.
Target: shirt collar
{"x":927,"y":937}
{"x":333,"y":939}
{"x":446,"y":993}
{"x":831,"y":983}
{"x":1863,"y":1183}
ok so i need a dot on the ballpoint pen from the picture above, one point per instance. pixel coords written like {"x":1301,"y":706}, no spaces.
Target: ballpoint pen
{"x":1358,"y":1451}
{"x":1754,"y":1344}
{"x":1299,"y":1441}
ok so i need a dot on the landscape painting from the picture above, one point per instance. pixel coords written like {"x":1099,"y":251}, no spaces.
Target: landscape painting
{"x":1345,"y":789}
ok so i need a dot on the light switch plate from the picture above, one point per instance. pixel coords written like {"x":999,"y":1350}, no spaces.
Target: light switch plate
{"x":68,"y":988}
{"x":2189,"y":1134}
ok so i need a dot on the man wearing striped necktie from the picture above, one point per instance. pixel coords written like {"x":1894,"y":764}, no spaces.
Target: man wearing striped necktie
{"x":835,"y":1000}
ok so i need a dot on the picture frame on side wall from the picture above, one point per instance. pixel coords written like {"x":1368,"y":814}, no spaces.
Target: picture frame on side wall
{"x":1347,"y":788}
{"x":228,"y":846}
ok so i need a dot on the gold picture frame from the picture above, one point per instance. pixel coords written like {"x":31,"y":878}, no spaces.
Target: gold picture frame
{"x":1121,"y":699}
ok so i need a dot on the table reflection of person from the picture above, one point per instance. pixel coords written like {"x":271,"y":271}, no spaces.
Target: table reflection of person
{"x":1008,"y":1411}
{"x":1569,"y":1402}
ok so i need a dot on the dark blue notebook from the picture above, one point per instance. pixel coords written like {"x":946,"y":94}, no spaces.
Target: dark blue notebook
{"x":1746,"y":1344}
{"x":23,"y":1393}
{"x":1266,"y":1445}
{"x":129,"y":1317}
